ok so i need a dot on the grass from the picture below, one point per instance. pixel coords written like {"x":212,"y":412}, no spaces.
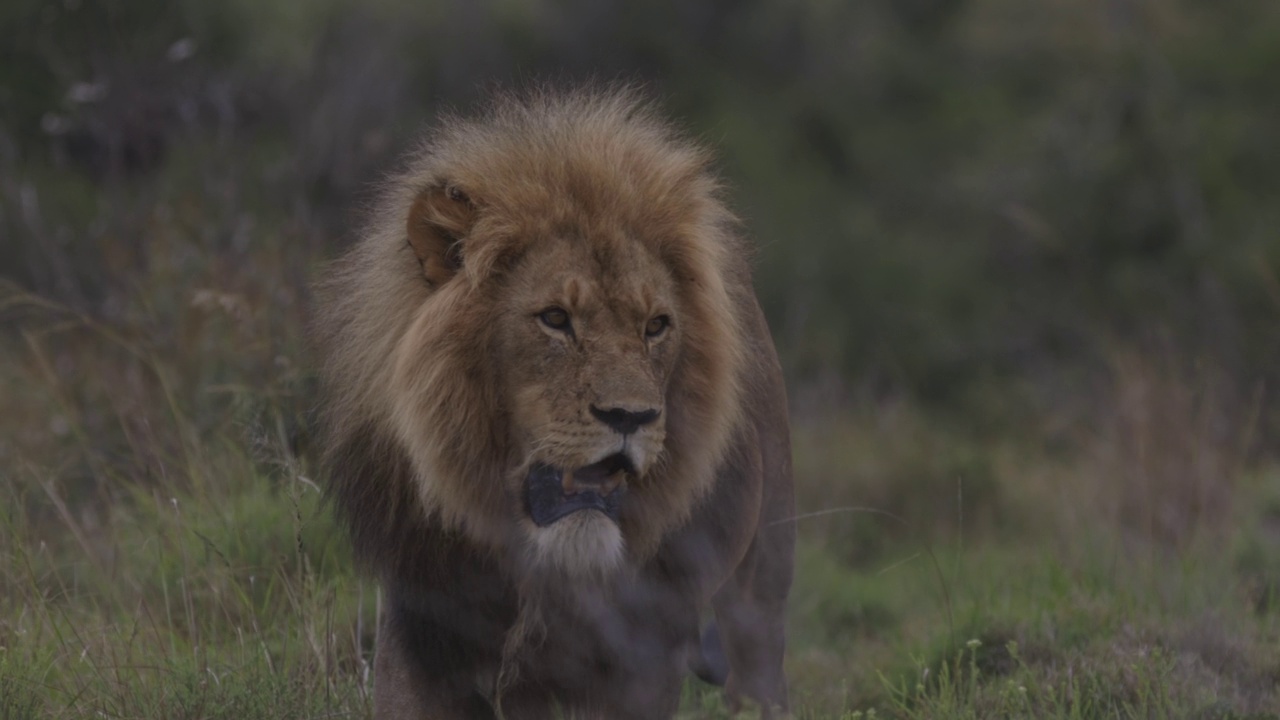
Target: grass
{"x":196,"y":574}
{"x":164,"y":551}
{"x":232,"y":597}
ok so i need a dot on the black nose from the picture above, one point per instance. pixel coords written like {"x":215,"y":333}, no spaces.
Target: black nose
{"x":624,"y":421}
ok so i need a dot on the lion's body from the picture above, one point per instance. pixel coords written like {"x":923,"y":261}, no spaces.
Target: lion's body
{"x":553,"y":293}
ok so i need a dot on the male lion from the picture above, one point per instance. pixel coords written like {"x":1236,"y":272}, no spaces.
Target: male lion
{"x":556,"y":424}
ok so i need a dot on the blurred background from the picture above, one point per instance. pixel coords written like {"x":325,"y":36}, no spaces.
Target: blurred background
{"x":1021,"y":261}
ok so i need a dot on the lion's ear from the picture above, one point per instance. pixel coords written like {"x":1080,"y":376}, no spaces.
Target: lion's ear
{"x":439,"y":219}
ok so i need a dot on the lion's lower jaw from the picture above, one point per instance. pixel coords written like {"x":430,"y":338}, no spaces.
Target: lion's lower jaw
{"x":584,"y":544}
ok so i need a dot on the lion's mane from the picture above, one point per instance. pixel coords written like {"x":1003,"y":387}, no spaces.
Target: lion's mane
{"x":417,"y":439}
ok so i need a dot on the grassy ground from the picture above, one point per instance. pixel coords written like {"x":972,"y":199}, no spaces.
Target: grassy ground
{"x":164,"y":552}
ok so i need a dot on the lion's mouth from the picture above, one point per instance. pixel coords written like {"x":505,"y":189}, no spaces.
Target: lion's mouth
{"x":551,"y":493}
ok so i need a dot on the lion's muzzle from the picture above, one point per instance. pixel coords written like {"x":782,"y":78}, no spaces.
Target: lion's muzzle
{"x":551,"y":493}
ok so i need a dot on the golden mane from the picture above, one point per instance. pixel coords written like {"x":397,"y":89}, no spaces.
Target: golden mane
{"x":418,"y":440}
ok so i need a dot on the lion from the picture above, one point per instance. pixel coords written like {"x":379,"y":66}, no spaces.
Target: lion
{"x":555,"y":422}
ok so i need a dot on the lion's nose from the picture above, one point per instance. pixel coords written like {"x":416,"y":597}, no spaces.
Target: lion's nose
{"x":623,"y":420}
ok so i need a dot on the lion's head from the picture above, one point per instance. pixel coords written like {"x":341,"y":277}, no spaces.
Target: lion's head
{"x":538,"y":331}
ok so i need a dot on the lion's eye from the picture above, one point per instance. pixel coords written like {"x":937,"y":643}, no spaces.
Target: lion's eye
{"x":657,"y":326}
{"x":555,"y":318}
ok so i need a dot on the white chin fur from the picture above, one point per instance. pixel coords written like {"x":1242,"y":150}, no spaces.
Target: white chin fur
{"x":584,"y":543}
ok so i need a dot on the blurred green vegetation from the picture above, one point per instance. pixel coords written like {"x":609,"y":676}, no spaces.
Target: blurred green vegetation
{"x":1021,"y":261}
{"x":953,"y":199}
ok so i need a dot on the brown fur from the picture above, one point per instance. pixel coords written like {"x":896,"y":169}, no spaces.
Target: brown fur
{"x":443,"y":387}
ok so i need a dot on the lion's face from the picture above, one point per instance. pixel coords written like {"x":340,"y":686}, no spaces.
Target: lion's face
{"x":587,"y":344}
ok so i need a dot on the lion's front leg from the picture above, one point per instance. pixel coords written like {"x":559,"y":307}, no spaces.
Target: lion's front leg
{"x":417,"y":676}
{"x":651,"y":693}
{"x":751,"y":613}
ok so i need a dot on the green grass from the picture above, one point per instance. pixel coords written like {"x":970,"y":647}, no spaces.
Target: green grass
{"x":234,"y":598}
{"x":1026,"y":635}
{"x":216,"y":585}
